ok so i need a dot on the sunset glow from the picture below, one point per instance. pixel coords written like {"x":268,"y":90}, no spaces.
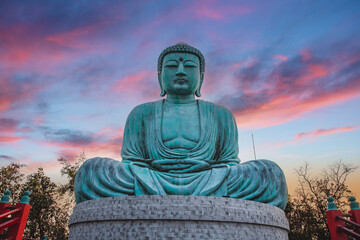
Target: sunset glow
{"x":70,"y":73}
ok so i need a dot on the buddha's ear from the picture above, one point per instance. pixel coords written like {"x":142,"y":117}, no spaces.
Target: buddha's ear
{"x":163,"y":92}
{"x":197,"y":92}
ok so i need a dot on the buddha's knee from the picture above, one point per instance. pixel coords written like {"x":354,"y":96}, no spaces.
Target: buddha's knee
{"x":253,"y":169}
{"x":96,"y":162}
{"x":263,"y":162}
{"x":258,"y":180}
{"x":103,"y":177}
{"x":273,"y":169}
{"x":262,"y":165}
{"x":258,"y":169}
{"x":88,"y":169}
{"x":103,"y":166}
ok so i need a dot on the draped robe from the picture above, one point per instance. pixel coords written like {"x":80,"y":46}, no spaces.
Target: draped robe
{"x":211,"y":168}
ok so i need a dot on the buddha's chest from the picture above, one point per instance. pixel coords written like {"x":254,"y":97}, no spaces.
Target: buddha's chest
{"x":180,"y":126}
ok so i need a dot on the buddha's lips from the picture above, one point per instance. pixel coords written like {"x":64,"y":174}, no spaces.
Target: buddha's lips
{"x":181,"y":80}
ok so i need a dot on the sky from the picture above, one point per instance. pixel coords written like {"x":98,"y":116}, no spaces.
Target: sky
{"x":289,"y":71}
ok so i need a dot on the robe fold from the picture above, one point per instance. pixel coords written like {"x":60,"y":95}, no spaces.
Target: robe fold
{"x":211,"y":168}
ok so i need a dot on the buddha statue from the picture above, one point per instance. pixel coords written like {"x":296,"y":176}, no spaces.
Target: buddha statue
{"x":181,"y":145}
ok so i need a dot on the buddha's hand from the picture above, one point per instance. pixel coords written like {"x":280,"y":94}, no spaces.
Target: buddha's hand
{"x":180,"y":165}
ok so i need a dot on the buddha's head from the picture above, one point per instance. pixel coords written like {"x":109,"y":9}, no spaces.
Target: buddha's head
{"x":181,"y":70}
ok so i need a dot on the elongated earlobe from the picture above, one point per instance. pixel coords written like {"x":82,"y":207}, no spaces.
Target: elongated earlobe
{"x":197,"y":92}
{"x":163,"y":93}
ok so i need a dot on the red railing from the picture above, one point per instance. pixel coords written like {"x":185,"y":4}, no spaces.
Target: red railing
{"x":341,"y":226}
{"x":13,"y":218}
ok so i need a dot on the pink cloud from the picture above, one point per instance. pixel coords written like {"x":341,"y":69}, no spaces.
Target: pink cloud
{"x":32,"y":166}
{"x":9,"y":139}
{"x":29,"y":48}
{"x":306,"y":54}
{"x":105,"y":143}
{"x":21,"y":45}
{"x":8,"y":128}
{"x":322,"y":132}
{"x":131,"y":81}
{"x":217,"y":10}
{"x":70,"y":154}
{"x":315,"y":71}
{"x":12,"y":92}
{"x":4,"y":103}
{"x":79,"y":37}
{"x":140,"y":85}
{"x":10,"y":39}
{"x":293,"y":89}
{"x":199,"y":10}
{"x":279,"y":59}
{"x":285,"y":108}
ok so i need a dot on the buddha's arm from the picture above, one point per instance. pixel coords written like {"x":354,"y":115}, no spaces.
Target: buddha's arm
{"x":133,"y":147}
{"x":227,"y":145}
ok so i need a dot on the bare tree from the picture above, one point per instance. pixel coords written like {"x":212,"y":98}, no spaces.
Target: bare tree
{"x":306,"y":209}
{"x":69,"y":170}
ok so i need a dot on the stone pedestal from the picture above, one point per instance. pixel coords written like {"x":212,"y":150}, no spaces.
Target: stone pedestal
{"x":176,"y":217}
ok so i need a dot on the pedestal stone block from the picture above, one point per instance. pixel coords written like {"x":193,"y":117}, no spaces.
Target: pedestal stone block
{"x":176,"y":217}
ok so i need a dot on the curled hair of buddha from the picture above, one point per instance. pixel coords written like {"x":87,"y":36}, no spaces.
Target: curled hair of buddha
{"x":182,"y":48}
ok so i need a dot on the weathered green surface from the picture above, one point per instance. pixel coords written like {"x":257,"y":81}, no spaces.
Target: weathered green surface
{"x":25,"y":198}
{"x":181,"y":146}
{"x":331,"y":204}
{"x":6,"y":197}
{"x":353,"y":204}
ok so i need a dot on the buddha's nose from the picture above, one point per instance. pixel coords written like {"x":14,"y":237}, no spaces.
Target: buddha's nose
{"x":180,"y":71}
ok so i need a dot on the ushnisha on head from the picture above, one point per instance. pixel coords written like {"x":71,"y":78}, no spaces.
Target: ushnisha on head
{"x":183,"y":60}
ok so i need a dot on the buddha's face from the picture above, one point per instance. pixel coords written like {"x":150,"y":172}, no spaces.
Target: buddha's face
{"x":180,"y":73}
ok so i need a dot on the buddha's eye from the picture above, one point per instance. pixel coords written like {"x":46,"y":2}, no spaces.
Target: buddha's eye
{"x":170,"y":65}
{"x":190,"y":64}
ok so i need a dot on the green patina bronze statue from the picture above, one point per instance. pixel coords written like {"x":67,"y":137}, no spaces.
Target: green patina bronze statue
{"x":181,"y":146}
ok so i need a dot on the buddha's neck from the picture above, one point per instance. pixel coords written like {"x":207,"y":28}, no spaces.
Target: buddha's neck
{"x":180,"y":99}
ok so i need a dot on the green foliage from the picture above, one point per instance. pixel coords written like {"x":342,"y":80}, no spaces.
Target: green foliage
{"x":306,"y":209}
{"x":46,"y":217}
{"x":51,"y":204}
{"x":11,"y":178}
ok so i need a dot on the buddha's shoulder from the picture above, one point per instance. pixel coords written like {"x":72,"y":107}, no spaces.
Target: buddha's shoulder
{"x":218,"y":109}
{"x":145,"y":108}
